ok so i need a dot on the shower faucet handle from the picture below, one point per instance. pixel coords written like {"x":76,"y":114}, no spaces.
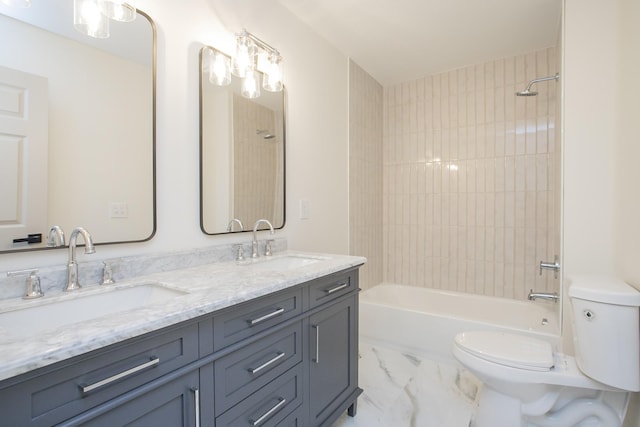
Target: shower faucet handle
{"x":549,"y":266}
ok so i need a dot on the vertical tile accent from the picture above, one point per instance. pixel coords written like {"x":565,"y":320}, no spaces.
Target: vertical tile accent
{"x":369,"y":108}
{"x":471,"y":176}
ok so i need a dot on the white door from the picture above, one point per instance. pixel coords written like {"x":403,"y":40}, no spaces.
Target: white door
{"x":24,"y":121}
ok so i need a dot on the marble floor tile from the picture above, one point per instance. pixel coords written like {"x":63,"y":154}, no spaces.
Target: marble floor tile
{"x":405,"y":390}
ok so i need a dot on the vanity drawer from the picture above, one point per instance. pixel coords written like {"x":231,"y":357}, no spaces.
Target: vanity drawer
{"x":74,"y":386}
{"x":250,"y":318}
{"x":269,"y":406}
{"x":240,"y":373}
{"x":331,"y":287}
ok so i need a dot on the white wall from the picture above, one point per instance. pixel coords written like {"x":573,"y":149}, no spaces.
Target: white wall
{"x":316,"y":76}
{"x":627,"y":195}
{"x":601,"y":173}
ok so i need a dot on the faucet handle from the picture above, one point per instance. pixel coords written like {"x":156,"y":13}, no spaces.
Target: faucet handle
{"x":267,"y":247}
{"x":107,"y":274}
{"x":239,"y":249}
{"x":33,"y":289}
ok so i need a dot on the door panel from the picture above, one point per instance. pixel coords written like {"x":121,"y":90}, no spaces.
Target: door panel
{"x":23,"y":156}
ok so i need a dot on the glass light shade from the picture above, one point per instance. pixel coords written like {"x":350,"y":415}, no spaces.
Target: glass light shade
{"x":251,"y":85}
{"x":243,"y":60}
{"x":272,"y":80}
{"x":219,"y":69}
{"x":118,"y":10}
{"x":88,"y":19}
{"x":17,"y":3}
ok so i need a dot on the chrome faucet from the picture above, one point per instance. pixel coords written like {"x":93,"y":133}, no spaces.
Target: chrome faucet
{"x":56,"y":237}
{"x":550,"y":296}
{"x":237,"y":221}
{"x":72,"y":266}
{"x":254,"y":242}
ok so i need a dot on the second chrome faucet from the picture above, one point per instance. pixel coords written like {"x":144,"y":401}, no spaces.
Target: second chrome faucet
{"x":72,"y":265}
{"x":254,"y":242}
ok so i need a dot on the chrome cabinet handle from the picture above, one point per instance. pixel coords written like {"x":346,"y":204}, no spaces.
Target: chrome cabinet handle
{"x":317,"y":359}
{"x":340,"y":287}
{"x":277,"y":312}
{"x":153,"y":362}
{"x":196,"y":397}
{"x":267,"y":414}
{"x":265,"y":364}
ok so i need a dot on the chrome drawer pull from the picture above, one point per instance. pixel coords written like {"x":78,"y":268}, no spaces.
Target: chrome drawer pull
{"x":317,"y":359}
{"x":265,"y":364}
{"x":196,"y":398}
{"x":254,"y":322}
{"x":153,"y":362}
{"x":340,"y":287}
{"x":269,"y":412}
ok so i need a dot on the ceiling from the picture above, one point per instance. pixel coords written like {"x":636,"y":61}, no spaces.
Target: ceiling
{"x":401,"y":40}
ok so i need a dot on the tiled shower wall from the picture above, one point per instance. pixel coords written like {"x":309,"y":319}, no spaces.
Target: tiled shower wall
{"x":468,"y":192}
{"x":258,"y":166}
{"x":365,"y":173}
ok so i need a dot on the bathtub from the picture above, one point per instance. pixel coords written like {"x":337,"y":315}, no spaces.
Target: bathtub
{"x":424,"y":321}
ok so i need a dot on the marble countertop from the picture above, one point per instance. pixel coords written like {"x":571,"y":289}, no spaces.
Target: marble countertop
{"x":207,"y":288}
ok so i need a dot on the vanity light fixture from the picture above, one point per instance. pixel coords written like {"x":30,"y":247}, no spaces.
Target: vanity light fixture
{"x":219,"y":68}
{"x":88,"y":19}
{"x":91,"y":17}
{"x":17,"y":3}
{"x":252,"y":59}
{"x":118,"y":10}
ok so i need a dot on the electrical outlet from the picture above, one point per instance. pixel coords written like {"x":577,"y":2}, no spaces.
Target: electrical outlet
{"x":304,"y":209}
{"x":118,"y":210}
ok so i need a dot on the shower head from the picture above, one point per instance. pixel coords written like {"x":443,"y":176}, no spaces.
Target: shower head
{"x":266,"y":133}
{"x":529,"y":92}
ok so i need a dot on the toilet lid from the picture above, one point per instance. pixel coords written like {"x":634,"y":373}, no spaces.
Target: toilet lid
{"x":516,"y":351}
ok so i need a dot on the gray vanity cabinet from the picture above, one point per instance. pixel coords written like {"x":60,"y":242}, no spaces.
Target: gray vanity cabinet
{"x":170,"y":404}
{"x":333,"y":371}
{"x":286,"y":359}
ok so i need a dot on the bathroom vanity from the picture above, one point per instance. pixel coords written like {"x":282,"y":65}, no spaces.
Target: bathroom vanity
{"x":286,"y":354}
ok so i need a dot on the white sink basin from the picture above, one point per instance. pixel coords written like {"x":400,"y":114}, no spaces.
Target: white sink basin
{"x":281,"y":263}
{"x":73,"y":309}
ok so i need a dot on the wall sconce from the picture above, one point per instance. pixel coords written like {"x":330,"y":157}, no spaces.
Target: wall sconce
{"x":91,"y":17}
{"x":252,"y":59}
{"x":17,"y":3}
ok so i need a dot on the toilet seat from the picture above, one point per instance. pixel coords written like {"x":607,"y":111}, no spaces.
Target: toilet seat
{"x":512,"y":350}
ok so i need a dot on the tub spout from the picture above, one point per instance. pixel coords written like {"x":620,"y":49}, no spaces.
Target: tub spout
{"x":550,"y":296}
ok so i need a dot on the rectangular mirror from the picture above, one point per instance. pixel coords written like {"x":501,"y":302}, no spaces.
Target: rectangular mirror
{"x":242,"y":158}
{"x":77,"y":127}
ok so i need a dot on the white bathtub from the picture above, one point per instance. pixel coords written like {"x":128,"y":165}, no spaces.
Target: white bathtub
{"x":424,"y":321}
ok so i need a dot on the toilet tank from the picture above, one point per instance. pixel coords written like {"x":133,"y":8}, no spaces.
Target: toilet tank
{"x":606,"y":320}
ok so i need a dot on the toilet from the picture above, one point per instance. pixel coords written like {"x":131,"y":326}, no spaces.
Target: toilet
{"x":528,"y":383}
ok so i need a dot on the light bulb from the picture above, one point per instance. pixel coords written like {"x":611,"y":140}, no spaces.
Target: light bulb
{"x":219,"y":69}
{"x":88,"y":19}
{"x":272,"y":80}
{"x":244,"y":58}
{"x":118,"y":10}
{"x":251,"y":85}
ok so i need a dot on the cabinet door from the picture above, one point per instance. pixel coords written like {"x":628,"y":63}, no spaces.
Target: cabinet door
{"x":333,"y":372}
{"x":172,"y":404}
